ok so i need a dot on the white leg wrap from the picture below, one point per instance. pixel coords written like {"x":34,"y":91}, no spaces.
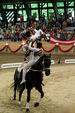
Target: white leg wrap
{"x":27,"y":105}
{"x":19,"y":102}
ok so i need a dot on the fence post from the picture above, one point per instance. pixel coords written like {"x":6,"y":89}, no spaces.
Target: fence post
{"x":6,"y":47}
{"x":56,"y":49}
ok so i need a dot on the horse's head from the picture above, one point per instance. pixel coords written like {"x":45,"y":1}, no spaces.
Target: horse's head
{"x":43,"y":64}
{"x":47,"y":63}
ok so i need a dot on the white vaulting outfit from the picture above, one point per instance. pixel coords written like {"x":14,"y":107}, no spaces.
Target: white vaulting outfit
{"x":38,"y":32}
{"x":33,"y":60}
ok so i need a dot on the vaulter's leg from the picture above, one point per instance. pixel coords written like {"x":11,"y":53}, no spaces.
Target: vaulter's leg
{"x":42,"y":95}
{"x":23,"y":76}
{"x":26,"y":66}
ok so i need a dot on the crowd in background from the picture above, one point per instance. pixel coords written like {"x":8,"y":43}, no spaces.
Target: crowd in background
{"x":9,"y":30}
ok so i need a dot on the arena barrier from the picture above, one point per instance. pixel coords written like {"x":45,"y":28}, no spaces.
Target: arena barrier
{"x":52,"y":62}
{"x":69,"y":61}
{"x":12,"y":65}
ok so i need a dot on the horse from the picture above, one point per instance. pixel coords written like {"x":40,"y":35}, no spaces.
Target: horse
{"x":34,"y":78}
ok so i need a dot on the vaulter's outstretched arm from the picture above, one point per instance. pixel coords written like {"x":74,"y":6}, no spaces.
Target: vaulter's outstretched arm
{"x":33,"y":48}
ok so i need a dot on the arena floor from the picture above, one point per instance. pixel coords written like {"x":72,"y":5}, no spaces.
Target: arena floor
{"x":59,"y":87}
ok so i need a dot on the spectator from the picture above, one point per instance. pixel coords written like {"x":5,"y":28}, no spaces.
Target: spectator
{"x":21,"y":18}
{"x":28,"y":23}
{"x":69,"y":36}
{"x":21,"y":22}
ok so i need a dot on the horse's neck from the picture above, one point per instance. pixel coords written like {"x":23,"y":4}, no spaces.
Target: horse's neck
{"x":38,"y":64}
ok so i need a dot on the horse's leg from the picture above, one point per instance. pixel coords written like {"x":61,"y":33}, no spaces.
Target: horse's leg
{"x":42,"y":94}
{"x":28,"y":99}
{"x":15,"y":87}
{"x":21,"y":91}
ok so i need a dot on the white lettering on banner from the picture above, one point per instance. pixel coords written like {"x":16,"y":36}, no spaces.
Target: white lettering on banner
{"x":70,"y":61}
{"x":12,"y":65}
{"x":52,"y":61}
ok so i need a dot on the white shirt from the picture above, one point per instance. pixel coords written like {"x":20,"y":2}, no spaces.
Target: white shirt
{"x":33,"y":50}
{"x":38,"y":32}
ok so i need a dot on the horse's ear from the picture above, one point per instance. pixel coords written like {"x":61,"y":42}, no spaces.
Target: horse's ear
{"x":50,"y":55}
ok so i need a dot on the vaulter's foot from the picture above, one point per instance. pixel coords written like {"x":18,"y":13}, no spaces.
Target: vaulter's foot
{"x":23,"y":81}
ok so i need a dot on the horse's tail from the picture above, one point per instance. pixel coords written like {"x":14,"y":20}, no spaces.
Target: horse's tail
{"x":12,"y":85}
{"x":16,"y":75}
{"x":15,"y":80}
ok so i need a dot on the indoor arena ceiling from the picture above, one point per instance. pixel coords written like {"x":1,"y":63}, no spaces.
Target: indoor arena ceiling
{"x":28,"y":1}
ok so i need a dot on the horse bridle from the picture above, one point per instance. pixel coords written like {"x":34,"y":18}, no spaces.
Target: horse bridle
{"x":44,"y":68}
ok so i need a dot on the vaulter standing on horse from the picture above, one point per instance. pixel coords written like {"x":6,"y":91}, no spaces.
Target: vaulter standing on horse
{"x":35,"y":53}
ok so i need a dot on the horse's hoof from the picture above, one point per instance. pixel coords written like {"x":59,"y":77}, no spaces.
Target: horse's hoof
{"x":36,"y":104}
{"x":27,"y":110}
{"x":19,"y":102}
